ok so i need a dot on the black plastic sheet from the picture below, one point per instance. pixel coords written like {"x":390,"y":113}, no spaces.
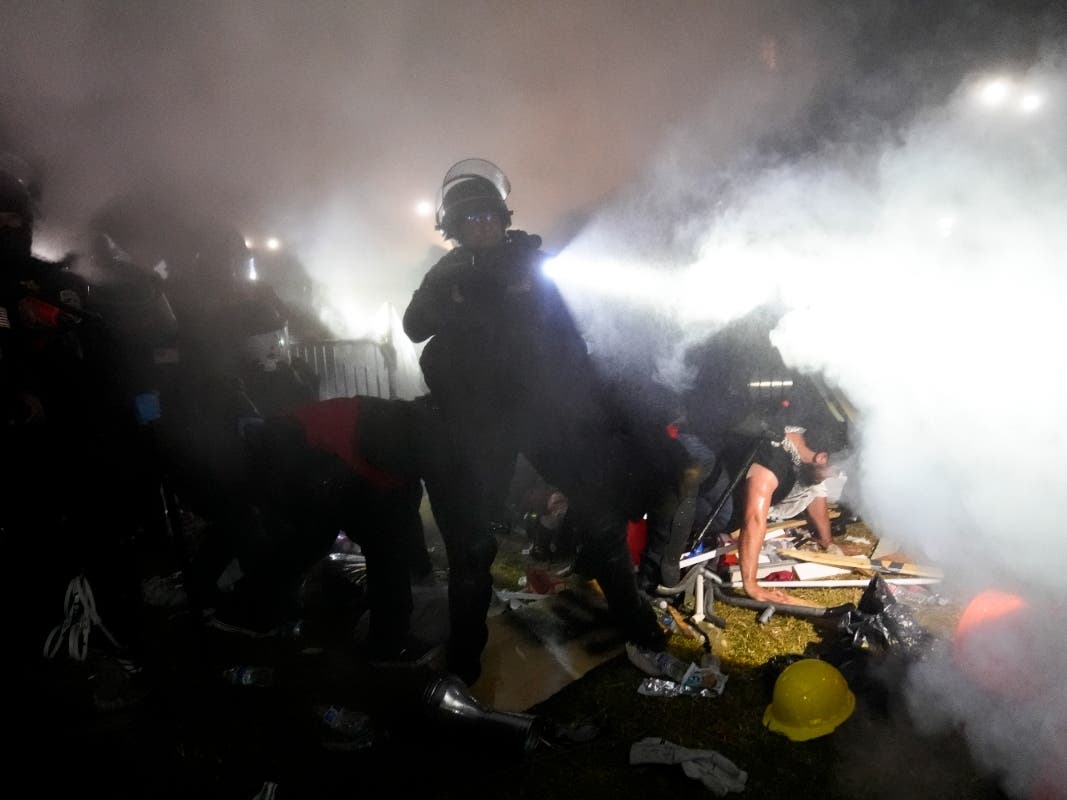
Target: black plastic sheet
{"x":882,"y":623}
{"x":338,"y":581}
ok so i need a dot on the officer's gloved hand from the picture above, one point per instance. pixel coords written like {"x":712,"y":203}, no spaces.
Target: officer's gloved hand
{"x":523,"y":239}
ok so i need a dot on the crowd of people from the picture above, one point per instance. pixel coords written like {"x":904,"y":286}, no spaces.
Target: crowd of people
{"x":132,"y":398}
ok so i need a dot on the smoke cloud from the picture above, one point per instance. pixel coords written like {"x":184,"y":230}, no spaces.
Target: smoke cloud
{"x":326,"y":125}
{"x":921,"y":274}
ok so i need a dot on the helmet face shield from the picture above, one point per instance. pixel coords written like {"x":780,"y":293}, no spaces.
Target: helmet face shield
{"x":473,"y":185}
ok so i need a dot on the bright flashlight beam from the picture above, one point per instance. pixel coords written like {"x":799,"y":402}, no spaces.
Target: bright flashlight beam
{"x":273,"y":243}
{"x":609,"y":277}
{"x":424,"y":208}
{"x":698,"y":292}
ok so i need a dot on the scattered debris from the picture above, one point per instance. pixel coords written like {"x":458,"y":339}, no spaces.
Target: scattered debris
{"x":672,"y":676}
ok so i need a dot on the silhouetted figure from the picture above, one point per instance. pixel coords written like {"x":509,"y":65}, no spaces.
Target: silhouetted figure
{"x":347,"y":465}
{"x":510,"y":372}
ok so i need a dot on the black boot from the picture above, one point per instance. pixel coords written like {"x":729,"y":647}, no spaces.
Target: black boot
{"x":635,"y":616}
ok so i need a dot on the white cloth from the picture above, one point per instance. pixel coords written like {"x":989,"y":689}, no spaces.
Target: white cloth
{"x":798,"y":499}
{"x":713,"y":769}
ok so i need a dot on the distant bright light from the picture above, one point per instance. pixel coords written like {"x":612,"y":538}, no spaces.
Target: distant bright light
{"x":993,"y":93}
{"x":1031,"y":102}
{"x":424,"y":208}
{"x":252,"y":274}
{"x":273,"y":243}
{"x":250,"y":243}
{"x":769,"y":384}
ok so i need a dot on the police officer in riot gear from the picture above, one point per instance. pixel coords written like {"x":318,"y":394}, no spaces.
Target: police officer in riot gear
{"x":42,"y":304}
{"x":509,"y":372}
{"x":54,"y":390}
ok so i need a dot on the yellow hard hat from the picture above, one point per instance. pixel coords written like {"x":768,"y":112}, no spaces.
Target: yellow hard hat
{"x":811,"y":698}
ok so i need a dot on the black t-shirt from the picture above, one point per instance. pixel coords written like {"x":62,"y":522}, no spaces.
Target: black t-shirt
{"x":736,"y":449}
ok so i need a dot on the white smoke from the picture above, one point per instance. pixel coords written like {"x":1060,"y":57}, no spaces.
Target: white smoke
{"x":926,"y":281}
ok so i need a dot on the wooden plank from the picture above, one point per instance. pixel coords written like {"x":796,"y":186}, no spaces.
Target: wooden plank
{"x":906,"y":568}
{"x":842,"y":583}
{"x":863,"y":563}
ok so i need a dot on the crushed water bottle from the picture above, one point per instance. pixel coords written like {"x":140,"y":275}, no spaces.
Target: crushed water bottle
{"x":260,"y":677}
{"x":350,"y":729}
{"x":671,"y":666}
{"x":672,"y":676}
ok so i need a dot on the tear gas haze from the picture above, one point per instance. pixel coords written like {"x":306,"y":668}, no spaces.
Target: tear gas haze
{"x":923,"y":278}
{"x":851,"y":163}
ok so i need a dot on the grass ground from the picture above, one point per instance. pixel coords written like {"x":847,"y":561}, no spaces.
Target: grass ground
{"x":877,"y":753}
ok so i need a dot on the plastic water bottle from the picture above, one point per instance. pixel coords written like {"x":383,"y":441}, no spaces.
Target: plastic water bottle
{"x":672,"y":666}
{"x":354,"y":730}
{"x":345,"y":721}
{"x":687,"y":674}
{"x":260,"y":677}
{"x":667,"y":619}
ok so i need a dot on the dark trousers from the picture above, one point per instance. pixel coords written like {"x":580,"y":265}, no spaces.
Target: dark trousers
{"x":468,"y":486}
{"x":593,"y":466}
{"x":468,"y":472}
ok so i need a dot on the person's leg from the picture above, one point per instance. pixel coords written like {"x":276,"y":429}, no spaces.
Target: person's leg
{"x":659,"y":560}
{"x":409,"y":522}
{"x":592,"y":473}
{"x":381,"y":524}
{"x":607,"y":558}
{"x":464,"y":484}
{"x":471,"y":549}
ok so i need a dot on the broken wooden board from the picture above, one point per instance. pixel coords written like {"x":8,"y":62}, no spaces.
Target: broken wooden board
{"x":810,"y":571}
{"x":861,"y":563}
{"x":898,"y":563}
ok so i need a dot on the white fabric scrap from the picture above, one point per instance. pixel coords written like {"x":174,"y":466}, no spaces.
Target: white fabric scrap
{"x":711,"y":768}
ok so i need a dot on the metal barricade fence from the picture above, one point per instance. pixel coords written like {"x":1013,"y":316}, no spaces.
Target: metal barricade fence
{"x":347,"y":367}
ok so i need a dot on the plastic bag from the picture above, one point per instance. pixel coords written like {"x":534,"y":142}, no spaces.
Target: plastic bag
{"x":880,"y":622}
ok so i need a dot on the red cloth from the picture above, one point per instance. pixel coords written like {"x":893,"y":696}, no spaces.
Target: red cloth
{"x":333,"y":426}
{"x":780,"y":575}
{"x":637,"y":538}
